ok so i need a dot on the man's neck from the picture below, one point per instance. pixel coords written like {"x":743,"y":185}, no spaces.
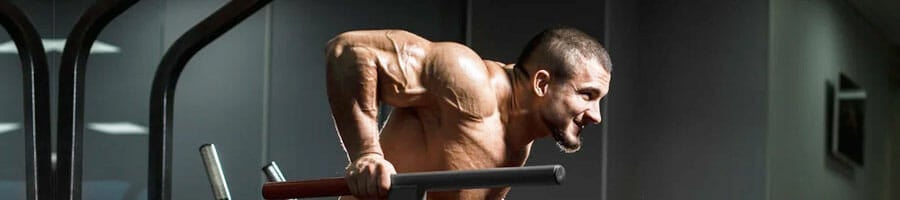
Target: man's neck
{"x":516,"y":114}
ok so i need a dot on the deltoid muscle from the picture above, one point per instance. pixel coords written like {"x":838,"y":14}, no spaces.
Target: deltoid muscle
{"x":407,"y":82}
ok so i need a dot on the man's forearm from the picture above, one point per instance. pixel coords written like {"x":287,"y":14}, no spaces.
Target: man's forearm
{"x":352,"y":82}
{"x":360,"y":139}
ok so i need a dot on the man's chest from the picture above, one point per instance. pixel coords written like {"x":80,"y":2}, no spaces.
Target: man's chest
{"x":419,"y":140}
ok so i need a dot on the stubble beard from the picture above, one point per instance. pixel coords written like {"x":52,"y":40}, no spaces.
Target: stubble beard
{"x":568,"y":144}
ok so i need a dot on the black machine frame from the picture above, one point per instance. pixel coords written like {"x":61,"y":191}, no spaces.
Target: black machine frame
{"x":36,"y":94}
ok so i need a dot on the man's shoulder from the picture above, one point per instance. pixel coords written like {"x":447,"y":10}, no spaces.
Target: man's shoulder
{"x":460,"y":78}
{"x":448,"y":47}
{"x":381,"y":39}
{"x":493,"y":64}
{"x":454,"y":59}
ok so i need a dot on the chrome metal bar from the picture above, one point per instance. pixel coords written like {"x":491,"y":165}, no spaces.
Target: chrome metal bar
{"x":214,"y":171}
{"x":273,"y":173}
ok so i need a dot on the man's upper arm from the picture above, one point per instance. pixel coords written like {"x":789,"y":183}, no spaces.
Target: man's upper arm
{"x":397,"y":55}
{"x":401,"y":67}
{"x":410,"y":66}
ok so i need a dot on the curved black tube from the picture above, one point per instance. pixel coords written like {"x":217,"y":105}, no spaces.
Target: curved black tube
{"x":71,"y":93}
{"x":36,"y":91}
{"x":162,"y":96}
{"x":483,"y":178}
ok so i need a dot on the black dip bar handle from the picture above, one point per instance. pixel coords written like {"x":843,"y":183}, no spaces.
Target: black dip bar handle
{"x":414,"y":185}
{"x":484,"y":178}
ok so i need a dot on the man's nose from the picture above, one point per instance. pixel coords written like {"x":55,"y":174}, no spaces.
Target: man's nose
{"x":592,"y":116}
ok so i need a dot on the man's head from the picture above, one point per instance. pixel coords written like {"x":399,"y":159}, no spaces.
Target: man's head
{"x":568,"y":73}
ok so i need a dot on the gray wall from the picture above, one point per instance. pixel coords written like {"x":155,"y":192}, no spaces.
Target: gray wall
{"x":710,"y":99}
{"x":892,"y":189}
{"x":813,"y":41}
{"x":117,"y":87}
{"x":12,"y":142}
{"x":219,"y":101}
{"x":622,"y":143}
{"x":687,"y":105}
{"x":227,"y":73}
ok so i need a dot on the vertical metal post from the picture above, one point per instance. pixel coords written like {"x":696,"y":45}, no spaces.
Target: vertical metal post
{"x":36,"y":94}
{"x":214,"y":172}
{"x":273,"y":172}
{"x":162,"y":94}
{"x":71,"y":93}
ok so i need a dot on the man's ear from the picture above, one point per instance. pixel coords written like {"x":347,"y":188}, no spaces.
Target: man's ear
{"x":540,"y":82}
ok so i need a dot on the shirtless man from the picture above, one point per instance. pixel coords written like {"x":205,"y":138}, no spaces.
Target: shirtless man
{"x":453,"y":110}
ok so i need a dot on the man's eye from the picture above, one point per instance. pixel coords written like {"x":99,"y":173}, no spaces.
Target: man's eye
{"x":586,"y":95}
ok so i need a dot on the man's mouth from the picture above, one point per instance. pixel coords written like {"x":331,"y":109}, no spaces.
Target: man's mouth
{"x":579,"y":124}
{"x":579,"y":127}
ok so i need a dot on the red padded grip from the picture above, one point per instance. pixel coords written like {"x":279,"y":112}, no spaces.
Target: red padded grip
{"x":305,"y":189}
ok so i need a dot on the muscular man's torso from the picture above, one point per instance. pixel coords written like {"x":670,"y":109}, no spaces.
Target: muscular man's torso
{"x":447,"y":112}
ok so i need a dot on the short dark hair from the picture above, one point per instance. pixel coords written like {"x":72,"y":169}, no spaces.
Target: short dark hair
{"x":560,"y":39}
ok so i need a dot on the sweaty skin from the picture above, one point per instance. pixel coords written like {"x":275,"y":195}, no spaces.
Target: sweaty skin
{"x":452,"y":109}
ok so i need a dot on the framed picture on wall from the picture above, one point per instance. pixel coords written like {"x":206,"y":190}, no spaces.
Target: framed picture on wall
{"x":846,"y":123}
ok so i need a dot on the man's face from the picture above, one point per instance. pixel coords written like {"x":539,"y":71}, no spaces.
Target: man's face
{"x":572,"y":104}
